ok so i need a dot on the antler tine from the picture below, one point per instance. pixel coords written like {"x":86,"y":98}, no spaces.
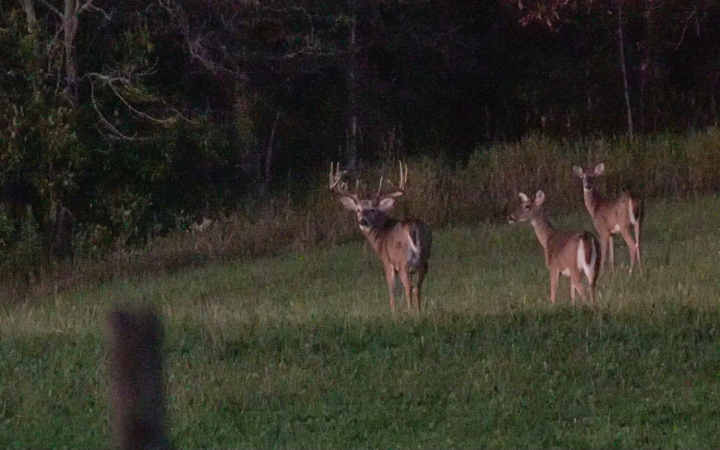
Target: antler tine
{"x":339,"y":181}
{"x":379,"y":191}
{"x":403,"y":176}
{"x":333,"y":183}
{"x":400,"y":189}
{"x":334,"y":176}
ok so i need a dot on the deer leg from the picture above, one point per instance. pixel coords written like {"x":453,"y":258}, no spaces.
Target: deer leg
{"x":576,"y":285}
{"x":631,"y":246}
{"x":554,"y":276}
{"x":390,"y":277}
{"x":637,"y":246}
{"x":421,"y":277}
{"x":611,"y":251}
{"x":603,"y":251}
{"x":405,"y":279}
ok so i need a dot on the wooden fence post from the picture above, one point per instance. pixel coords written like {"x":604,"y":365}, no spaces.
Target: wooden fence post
{"x":137,"y":394}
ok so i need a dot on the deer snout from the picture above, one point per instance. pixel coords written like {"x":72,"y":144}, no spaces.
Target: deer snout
{"x":364,"y":223}
{"x":511,"y":219}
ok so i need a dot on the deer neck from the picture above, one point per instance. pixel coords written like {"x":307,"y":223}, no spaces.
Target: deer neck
{"x":592,"y":200}
{"x":543,"y":229}
{"x":377,"y":235}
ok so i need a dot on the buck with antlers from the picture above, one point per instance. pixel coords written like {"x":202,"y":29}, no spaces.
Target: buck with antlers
{"x":403,"y":246}
{"x":571,"y":253}
{"x":612,"y":217}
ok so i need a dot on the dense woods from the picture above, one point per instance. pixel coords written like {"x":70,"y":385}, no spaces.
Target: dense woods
{"x":122,"y":119}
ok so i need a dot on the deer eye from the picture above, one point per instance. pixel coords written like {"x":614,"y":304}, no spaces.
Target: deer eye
{"x":526,"y":206}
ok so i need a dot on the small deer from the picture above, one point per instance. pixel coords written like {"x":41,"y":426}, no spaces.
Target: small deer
{"x":403,"y":246}
{"x":612,"y":217}
{"x":571,"y":253}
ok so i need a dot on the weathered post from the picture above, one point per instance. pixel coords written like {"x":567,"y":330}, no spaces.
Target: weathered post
{"x":137,"y":394}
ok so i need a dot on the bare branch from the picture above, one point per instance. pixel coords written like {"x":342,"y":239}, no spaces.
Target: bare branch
{"x":90,"y":7}
{"x":200,"y":53}
{"x":685,"y":27}
{"x":110,"y":82}
{"x":54,"y":9}
{"x":115,"y":133}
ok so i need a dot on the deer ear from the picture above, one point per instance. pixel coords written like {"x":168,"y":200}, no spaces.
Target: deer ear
{"x":523,"y":197}
{"x":577,"y":170}
{"x":539,"y":197}
{"x":599,"y":169}
{"x":348,"y":202}
{"x":386,"y":204}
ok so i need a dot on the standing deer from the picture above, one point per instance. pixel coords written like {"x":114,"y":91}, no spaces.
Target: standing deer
{"x":403,"y":246}
{"x":571,"y":253}
{"x":612,"y":217}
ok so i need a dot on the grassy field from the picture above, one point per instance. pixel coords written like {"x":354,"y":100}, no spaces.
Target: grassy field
{"x":301,"y":350}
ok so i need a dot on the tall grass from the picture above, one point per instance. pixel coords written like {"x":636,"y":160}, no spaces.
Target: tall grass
{"x":661,"y":166}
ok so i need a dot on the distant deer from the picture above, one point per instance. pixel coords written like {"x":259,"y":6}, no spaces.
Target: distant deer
{"x":571,"y":253}
{"x":612,"y":217}
{"x":403,"y":246}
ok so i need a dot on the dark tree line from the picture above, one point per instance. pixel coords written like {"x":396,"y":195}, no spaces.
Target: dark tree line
{"x":130,"y":114}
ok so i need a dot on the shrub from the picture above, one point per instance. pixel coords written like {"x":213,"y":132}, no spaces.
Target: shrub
{"x":439,"y":192}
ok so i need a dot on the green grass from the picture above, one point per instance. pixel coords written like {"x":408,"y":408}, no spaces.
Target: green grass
{"x":301,"y":350}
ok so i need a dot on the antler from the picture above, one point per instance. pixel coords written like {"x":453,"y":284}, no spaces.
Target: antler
{"x":403,"y":176}
{"x":340,"y":180}
{"x":400,"y":189}
{"x":334,"y":176}
{"x":377,"y":195}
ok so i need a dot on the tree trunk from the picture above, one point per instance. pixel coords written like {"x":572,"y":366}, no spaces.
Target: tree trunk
{"x":713,"y":110}
{"x":70,"y":25}
{"x":647,"y":69}
{"x":621,"y":43}
{"x":352,"y":69}
{"x":269,"y":154}
{"x":29,"y":6}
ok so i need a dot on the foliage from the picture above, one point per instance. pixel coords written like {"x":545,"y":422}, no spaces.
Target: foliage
{"x":131,"y":115}
{"x":445,"y":195}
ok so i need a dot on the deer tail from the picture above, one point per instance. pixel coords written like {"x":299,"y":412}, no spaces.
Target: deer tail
{"x":419,"y":238}
{"x":414,"y":245}
{"x":635,"y":209}
{"x":588,"y":257}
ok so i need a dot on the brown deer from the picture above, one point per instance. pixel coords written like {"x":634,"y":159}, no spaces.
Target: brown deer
{"x":571,"y":253}
{"x":612,"y":217}
{"x":403,"y":246}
